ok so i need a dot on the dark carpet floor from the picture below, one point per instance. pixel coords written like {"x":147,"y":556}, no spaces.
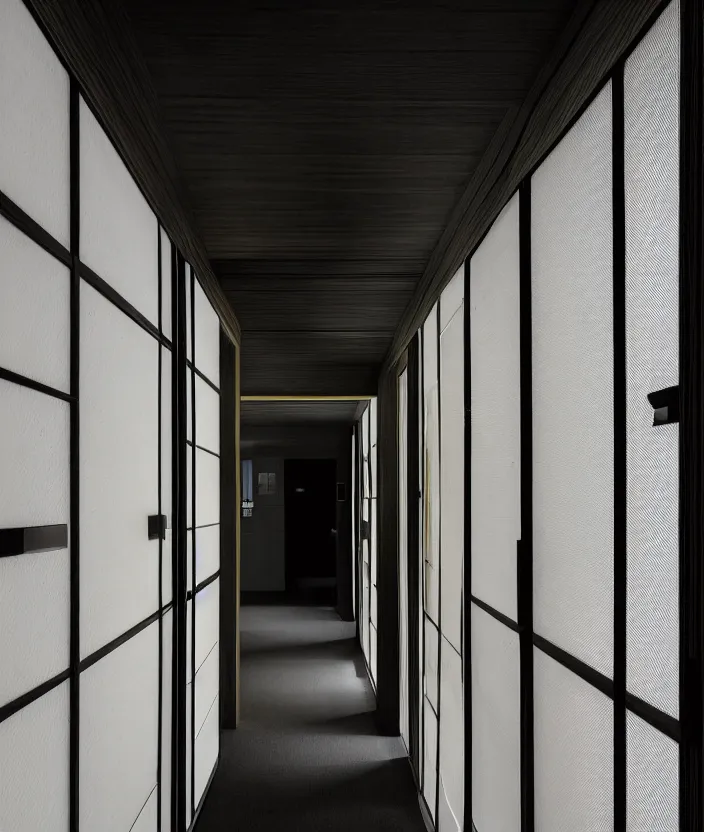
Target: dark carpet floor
{"x":307,"y":757}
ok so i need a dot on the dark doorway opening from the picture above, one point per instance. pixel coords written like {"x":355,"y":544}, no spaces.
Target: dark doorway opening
{"x":311,"y":529}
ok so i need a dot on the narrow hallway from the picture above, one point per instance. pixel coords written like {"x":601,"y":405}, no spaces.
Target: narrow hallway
{"x":307,"y":756}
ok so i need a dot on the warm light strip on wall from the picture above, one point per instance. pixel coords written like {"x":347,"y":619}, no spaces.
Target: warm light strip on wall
{"x":306,"y":398}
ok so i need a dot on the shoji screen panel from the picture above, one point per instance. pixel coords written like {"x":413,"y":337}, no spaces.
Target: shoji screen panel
{"x":573,"y":390}
{"x":118,"y":241}
{"x":203,"y":630}
{"x":119,"y":384}
{"x":34,"y":140}
{"x":651,"y":115}
{"x":368,"y":478}
{"x":431,"y":468}
{"x":403,"y":554}
{"x":34,"y":761}
{"x":35,"y":435}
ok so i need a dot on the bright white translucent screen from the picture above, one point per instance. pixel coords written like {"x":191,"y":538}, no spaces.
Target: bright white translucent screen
{"x":119,"y":386}
{"x":207,"y":684}
{"x":452,"y":297}
{"x":403,"y":552}
{"x":207,"y":552}
{"x":119,"y":232}
{"x":496,"y":412}
{"x":207,"y":416}
{"x":207,"y":337}
{"x":652,"y":779}
{"x":34,"y":448}
{"x":166,"y":263}
{"x":430,"y":751}
{"x":451,"y":733}
{"x":372,"y":651}
{"x":207,"y":621}
{"x":207,"y":747}
{"x":34,"y":620}
{"x":373,"y":416}
{"x":34,"y":761}
{"x":187,"y":777}
{"x":34,"y":109}
{"x":431,"y":468}
{"x":373,"y":604}
{"x":452,"y":477}
{"x":147,"y":820}
{"x":166,"y":693}
{"x":574,"y":751}
{"x":573,"y":443}
{"x":118,"y":738}
{"x":34,"y":313}
{"x":431,"y":663}
{"x":652,"y":332}
{"x":207,"y":488}
{"x":189,"y":338}
{"x":166,"y":474}
{"x":496,"y":710}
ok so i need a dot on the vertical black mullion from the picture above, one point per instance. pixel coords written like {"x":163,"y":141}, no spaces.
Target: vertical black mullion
{"x":74,"y":495}
{"x":437,"y":764}
{"x":467,"y":561}
{"x":193,"y":546}
{"x":161,"y":546}
{"x":413,"y":554}
{"x":178,"y":370}
{"x":620,"y":539}
{"x":691,"y":310}
{"x":525,"y":547}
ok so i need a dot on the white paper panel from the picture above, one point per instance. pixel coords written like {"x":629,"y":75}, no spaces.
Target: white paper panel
{"x":403,"y":554}
{"x":207,"y":684}
{"x":34,"y":314}
{"x":451,"y":736}
{"x":652,"y":779}
{"x":189,"y":404}
{"x":373,"y":542}
{"x":574,"y":751}
{"x":364,"y":612}
{"x":431,"y":508}
{"x":189,"y":558}
{"x":652,"y":332}
{"x":207,"y":337}
{"x":373,"y":651}
{"x":34,"y":155}
{"x":447,"y":821}
{"x":147,"y":820}
{"x":207,"y":552}
{"x":373,"y":456}
{"x":573,"y":445}
{"x":430,"y":750}
{"x":187,"y":777}
{"x":118,"y":738}
{"x":166,"y":310}
{"x":207,"y":416}
{"x":119,"y":471}
{"x":189,"y":339}
{"x":207,"y":750}
{"x":452,"y":477}
{"x":119,"y":232}
{"x":431,"y":663}
{"x":373,"y":604}
{"x":34,"y":760}
{"x":496,"y":415}
{"x":189,"y":485}
{"x":166,"y":473}
{"x":451,"y":298}
{"x":496,"y":742}
{"x":34,"y":449}
{"x":34,"y":620}
{"x":207,"y":620}
{"x":208,"y":488}
{"x":189,"y":642}
{"x":167,"y":694}
{"x":430,"y":350}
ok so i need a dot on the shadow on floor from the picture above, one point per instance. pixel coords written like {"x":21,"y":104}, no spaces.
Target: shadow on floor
{"x":307,"y":757}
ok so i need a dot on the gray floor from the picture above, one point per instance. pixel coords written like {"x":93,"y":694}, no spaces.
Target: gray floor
{"x":307,"y":756}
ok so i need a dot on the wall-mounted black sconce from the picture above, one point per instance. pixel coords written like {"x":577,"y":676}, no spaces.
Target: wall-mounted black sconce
{"x":32,"y":539}
{"x":666,"y":405}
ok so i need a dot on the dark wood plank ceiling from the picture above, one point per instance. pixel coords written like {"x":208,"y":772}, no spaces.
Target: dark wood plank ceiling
{"x":323,"y":146}
{"x":274,"y":414}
